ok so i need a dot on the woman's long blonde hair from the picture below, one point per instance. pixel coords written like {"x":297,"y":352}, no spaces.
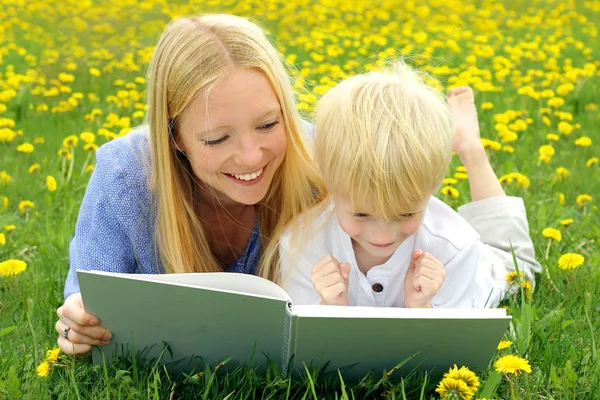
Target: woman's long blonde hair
{"x":192,"y":55}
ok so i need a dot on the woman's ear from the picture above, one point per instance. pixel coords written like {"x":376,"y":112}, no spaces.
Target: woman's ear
{"x":172,"y":139}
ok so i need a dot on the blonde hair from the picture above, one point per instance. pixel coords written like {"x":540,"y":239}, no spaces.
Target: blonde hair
{"x":383,"y":140}
{"x":192,"y":55}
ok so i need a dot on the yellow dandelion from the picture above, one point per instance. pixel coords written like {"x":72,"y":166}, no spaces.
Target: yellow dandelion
{"x":526,"y":284}
{"x":2,"y":239}
{"x":89,"y":168}
{"x":39,"y":140}
{"x":64,"y":153}
{"x":52,"y":355}
{"x":508,"y":149}
{"x":566,"y":222}
{"x":461,"y":168}
{"x":464,"y":374}
{"x":34,"y":167}
{"x":50,"y":183}
{"x":565,"y":128}
{"x":504,"y":344}
{"x":450,"y":388}
{"x":561,"y":173}
{"x":26,"y":205}
{"x":591,"y":162}
{"x":43,"y":369}
{"x":87,"y":137}
{"x":461,"y":175}
{"x":70,"y":141}
{"x":449,"y":191}
{"x":487,"y":106}
{"x":25,"y":148}
{"x":449,"y":181}
{"x":582,"y":198}
{"x":561,"y":198}
{"x":90,"y":147}
{"x":583,"y":141}
{"x":5,"y":178}
{"x":552,"y":137}
{"x":9,"y":228}
{"x":12,"y":267}
{"x":552,"y":233}
{"x":570,"y":261}
{"x":512,"y":276}
{"x":512,"y":365}
{"x":556,"y":102}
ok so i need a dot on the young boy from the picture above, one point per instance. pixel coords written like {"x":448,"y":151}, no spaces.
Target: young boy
{"x":383,"y":144}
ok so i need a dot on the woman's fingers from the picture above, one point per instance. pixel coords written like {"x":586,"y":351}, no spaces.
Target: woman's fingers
{"x":73,"y":310}
{"x":68,"y":347}
{"x":83,"y":335}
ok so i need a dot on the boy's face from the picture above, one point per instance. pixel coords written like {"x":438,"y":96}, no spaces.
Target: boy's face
{"x":377,"y":237}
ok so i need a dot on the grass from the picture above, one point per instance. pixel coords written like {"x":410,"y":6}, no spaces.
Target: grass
{"x":555,"y":328}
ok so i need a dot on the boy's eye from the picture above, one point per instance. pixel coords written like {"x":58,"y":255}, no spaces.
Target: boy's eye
{"x":360,"y":215}
{"x":406,"y":216}
{"x":215,"y":142}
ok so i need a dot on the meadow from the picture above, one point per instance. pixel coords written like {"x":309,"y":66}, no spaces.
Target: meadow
{"x":72,"y":77}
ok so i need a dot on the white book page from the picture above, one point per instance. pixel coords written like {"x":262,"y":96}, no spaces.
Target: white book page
{"x":222,"y":281}
{"x":397,"y":312}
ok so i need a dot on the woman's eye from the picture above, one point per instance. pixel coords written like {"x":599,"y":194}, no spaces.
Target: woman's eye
{"x":269,"y":126}
{"x":215,"y":142}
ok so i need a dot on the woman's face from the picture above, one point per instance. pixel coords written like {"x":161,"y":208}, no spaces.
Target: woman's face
{"x":235,"y":139}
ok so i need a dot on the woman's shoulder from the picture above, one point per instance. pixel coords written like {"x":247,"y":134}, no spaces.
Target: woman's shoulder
{"x":126,"y":158}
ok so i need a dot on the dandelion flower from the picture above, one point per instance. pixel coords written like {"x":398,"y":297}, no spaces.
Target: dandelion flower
{"x":553,"y":137}
{"x":2,"y":239}
{"x":561,"y":198}
{"x":592,"y":161}
{"x":504,"y":344}
{"x":552,"y":233}
{"x":465,"y":375}
{"x":25,"y":148}
{"x":450,"y":388}
{"x":64,"y":153}
{"x":449,"y":181}
{"x":26,"y":205}
{"x":12,"y":267}
{"x":52,"y":355}
{"x":583,"y":141}
{"x":70,"y":141}
{"x":43,"y":369}
{"x":512,"y":276}
{"x":51,"y":183}
{"x":89,"y":168}
{"x":449,"y":191}
{"x":9,"y":228}
{"x":512,"y":365}
{"x":34,"y":167}
{"x":570,"y":261}
{"x":461,"y":175}
{"x":562,"y":172}
{"x":566,"y":222}
{"x":582,"y":198}
{"x":487,"y":106}
{"x":87,"y":137}
{"x":90,"y":147}
{"x":39,"y":140}
{"x":5,"y":178}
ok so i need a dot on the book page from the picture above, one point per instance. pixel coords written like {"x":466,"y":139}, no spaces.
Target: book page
{"x":358,"y":340}
{"x":222,"y":281}
{"x":396,"y":312}
{"x":193,"y":321}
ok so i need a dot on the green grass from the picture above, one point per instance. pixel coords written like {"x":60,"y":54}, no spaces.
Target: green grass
{"x":556,"y":330}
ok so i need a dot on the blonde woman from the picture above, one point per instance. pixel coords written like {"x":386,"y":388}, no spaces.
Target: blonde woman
{"x":382,"y":238}
{"x":211,"y":184}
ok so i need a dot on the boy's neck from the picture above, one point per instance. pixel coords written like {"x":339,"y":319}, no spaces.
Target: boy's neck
{"x":364,"y":260}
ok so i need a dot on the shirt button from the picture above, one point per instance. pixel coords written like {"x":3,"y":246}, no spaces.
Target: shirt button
{"x":377,"y":287}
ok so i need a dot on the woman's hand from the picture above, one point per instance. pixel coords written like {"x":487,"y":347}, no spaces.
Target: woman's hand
{"x":77,"y":330}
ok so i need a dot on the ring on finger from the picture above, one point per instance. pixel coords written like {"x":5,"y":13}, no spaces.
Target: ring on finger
{"x":65,"y":332}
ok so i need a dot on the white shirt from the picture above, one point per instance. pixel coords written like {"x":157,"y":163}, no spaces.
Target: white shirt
{"x":444,"y":234}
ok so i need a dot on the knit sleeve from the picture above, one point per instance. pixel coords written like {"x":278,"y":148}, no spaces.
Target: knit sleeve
{"x":101,"y":241}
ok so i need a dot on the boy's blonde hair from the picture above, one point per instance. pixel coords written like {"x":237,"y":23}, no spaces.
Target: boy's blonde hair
{"x":383,"y":141}
{"x":192,"y":55}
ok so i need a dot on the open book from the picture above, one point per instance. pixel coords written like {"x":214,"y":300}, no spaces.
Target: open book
{"x":219,"y":315}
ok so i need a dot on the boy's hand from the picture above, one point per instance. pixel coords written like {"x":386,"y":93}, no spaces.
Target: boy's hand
{"x":423,"y":279}
{"x":330,"y":279}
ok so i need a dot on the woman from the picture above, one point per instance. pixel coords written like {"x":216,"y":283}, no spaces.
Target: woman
{"x":224,"y":158}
